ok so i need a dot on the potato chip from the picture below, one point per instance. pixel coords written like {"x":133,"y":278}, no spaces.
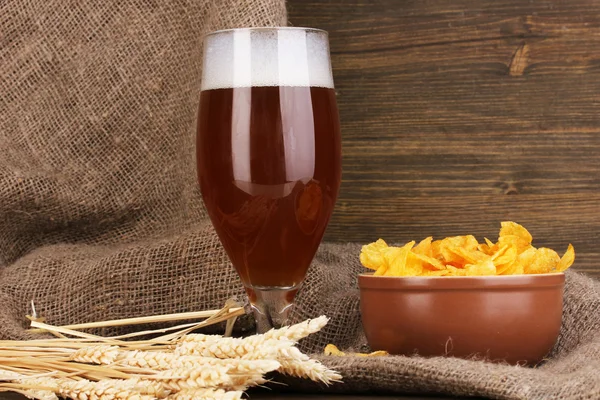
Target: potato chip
{"x":488,"y":247}
{"x":513,"y":240}
{"x":504,"y":258}
{"x":515,"y":269}
{"x":453,"y":249}
{"x":453,"y":271}
{"x":481,"y":269}
{"x":428,"y":262}
{"x":371,"y":255}
{"x":435,"y":249}
{"x":332,"y":350}
{"x":512,"y":233}
{"x":396,"y":258}
{"x":567,"y":259}
{"x":424,"y":247}
{"x":512,"y":228}
{"x":545,"y":261}
{"x":512,"y":254}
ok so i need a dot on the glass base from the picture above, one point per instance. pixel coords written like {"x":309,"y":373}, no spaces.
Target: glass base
{"x":271,"y":306}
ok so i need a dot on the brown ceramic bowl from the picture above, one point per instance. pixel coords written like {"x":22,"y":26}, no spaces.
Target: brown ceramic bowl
{"x":501,"y":318}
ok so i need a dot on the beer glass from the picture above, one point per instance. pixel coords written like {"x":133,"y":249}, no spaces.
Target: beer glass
{"x":269,"y":156}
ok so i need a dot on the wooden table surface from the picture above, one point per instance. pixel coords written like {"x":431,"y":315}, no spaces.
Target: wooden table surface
{"x":457,"y":115}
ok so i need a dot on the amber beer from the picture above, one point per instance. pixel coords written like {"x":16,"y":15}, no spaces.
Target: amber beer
{"x":271,"y":216}
{"x":268,"y":151}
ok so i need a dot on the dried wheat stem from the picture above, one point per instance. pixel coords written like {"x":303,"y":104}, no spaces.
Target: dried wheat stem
{"x":311,"y":369}
{"x":102,"y":354}
{"x":297,"y":331}
{"x":208,"y":394}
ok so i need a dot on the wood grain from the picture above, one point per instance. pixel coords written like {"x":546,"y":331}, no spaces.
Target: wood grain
{"x":457,"y":115}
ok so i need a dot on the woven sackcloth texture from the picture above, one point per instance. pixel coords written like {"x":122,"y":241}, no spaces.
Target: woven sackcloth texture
{"x":101,"y":218}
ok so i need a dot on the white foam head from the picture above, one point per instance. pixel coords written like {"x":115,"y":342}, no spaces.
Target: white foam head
{"x":266,"y":57}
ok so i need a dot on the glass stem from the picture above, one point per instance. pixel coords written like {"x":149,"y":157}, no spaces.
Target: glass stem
{"x":271,"y":307}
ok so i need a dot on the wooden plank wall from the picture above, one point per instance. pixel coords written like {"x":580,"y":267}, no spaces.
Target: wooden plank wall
{"x":457,"y":115}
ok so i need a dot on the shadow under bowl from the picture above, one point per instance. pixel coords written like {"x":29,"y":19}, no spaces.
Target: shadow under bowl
{"x":515,"y":319}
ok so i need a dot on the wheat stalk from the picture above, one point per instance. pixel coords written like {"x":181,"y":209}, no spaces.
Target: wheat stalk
{"x":176,"y":366}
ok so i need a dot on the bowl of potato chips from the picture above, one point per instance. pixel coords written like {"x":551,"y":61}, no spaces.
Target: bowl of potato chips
{"x":457,"y":297}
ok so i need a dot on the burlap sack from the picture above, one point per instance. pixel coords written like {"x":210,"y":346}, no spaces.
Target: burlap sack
{"x":100,"y":215}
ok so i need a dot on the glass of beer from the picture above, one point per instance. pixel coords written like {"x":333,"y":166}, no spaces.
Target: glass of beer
{"x":269,"y":156}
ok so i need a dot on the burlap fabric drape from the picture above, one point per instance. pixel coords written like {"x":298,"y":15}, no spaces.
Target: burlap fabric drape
{"x":100,"y":216}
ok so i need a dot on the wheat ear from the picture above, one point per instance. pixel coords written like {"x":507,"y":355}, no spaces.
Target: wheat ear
{"x":101,"y":354}
{"x":236,"y":366}
{"x":297,"y":331}
{"x":152,"y":388}
{"x":147,"y":359}
{"x":109,"y":389}
{"x":256,"y":349}
{"x":40,"y":388}
{"x":6,"y":375}
{"x":203,"y":377}
{"x":311,"y":369}
{"x":208,"y":394}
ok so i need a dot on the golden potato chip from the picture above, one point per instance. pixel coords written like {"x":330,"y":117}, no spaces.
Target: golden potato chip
{"x":424,"y":247}
{"x":505,"y":258}
{"x":428,"y":262}
{"x":381,"y":271}
{"x":512,"y":254}
{"x":515,"y":234}
{"x":509,"y":228}
{"x":453,"y":271}
{"x":396,"y":258}
{"x":545,"y":261}
{"x":454,"y":249}
{"x":371,"y":255}
{"x":513,"y":240}
{"x":378,"y":353}
{"x":567,"y":259}
{"x":471,"y":256}
{"x":481,"y":269}
{"x":332,"y":350}
{"x":435,"y":249}
{"x":488,"y":247}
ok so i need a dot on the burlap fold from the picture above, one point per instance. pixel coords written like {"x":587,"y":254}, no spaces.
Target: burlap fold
{"x":101,"y":218}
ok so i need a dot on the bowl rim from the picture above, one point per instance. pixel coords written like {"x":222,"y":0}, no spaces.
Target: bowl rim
{"x":368,"y":281}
